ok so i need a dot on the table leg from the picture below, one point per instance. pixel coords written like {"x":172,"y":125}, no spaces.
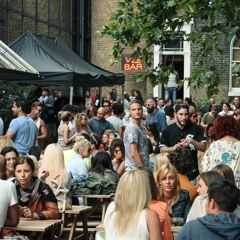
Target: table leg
{"x":73,"y":226}
{"x":85,"y":225}
{"x":39,"y":236}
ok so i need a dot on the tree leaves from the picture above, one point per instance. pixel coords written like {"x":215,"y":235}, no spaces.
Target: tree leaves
{"x":156,"y":22}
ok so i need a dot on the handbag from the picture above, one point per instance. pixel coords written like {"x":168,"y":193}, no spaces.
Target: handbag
{"x":64,"y":200}
{"x":13,"y":235}
{"x":63,"y":195}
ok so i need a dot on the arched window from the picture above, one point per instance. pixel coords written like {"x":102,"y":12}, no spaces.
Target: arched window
{"x":234,"y":78}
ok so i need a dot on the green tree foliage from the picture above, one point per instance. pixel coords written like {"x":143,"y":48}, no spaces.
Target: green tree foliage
{"x":8,"y":92}
{"x":156,"y":22}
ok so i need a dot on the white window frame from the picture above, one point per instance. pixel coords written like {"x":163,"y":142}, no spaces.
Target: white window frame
{"x":233,"y":91}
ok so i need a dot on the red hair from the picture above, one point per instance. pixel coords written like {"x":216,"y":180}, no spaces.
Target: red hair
{"x":226,"y":126}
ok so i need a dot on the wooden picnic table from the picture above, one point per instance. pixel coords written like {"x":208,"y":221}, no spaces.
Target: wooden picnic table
{"x":102,"y":201}
{"x":38,"y":227}
{"x":72,"y":216}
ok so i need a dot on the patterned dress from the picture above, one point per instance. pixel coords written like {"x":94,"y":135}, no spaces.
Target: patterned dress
{"x":225,"y":152}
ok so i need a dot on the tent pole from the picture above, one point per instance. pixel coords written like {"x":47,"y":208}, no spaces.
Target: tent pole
{"x":122,"y":94}
{"x":100,"y":96}
{"x":71,"y":96}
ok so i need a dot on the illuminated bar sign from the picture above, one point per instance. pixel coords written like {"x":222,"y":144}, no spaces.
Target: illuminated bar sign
{"x":132,"y":65}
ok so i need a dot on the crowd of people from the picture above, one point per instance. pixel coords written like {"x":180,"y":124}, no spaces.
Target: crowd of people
{"x":167,"y":163}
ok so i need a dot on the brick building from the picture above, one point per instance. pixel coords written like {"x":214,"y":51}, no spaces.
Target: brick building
{"x":183,"y":56}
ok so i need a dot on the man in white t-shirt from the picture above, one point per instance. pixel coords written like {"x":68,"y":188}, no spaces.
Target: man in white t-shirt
{"x":9,"y":210}
{"x":115,"y":120}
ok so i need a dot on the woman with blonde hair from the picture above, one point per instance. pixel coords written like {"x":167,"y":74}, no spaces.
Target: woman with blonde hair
{"x":161,"y":159}
{"x":160,"y":207}
{"x":5,"y":141}
{"x":177,"y":199}
{"x":65,"y":137}
{"x":53,"y":163}
{"x":76,"y":165}
{"x":129,"y":217}
{"x":36,"y":167}
{"x":81,"y":123}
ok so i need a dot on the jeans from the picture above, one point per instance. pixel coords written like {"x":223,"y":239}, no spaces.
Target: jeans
{"x":171,"y":92}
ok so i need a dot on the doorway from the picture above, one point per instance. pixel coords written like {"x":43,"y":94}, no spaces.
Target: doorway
{"x":178,"y":62}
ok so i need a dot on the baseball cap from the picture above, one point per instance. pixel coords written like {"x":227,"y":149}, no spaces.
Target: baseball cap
{"x":181,"y":106}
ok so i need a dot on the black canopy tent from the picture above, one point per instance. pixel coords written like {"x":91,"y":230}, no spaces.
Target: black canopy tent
{"x":59,"y":65}
{"x":16,"y":75}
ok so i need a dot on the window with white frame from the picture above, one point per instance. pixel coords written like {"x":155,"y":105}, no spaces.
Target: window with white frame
{"x":175,"y":44}
{"x":234,"y":78}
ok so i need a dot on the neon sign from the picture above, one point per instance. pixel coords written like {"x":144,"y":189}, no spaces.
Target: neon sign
{"x":131,"y":65}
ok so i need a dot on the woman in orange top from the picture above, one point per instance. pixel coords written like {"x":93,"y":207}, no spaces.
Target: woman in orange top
{"x":160,"y":207}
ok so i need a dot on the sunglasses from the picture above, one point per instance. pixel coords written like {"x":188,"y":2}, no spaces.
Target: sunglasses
{"x":116,"y":151}
{"x":89,"y":150}
{"x":39,"y":110}
{"x":194,"y":116}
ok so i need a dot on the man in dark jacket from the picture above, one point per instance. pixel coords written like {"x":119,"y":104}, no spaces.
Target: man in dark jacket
{"x":99,"y":124}
{"x":219,"y":223}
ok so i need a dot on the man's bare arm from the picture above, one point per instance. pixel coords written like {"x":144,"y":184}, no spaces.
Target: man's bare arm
{"x":43,"y":130}
{"x":169,"y":149}
{"x":135,"y":154}
{"x":10,"y":134}
{"x":13,"y":216}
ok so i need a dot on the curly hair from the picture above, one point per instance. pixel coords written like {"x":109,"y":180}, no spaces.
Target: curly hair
{"x":78,"y":118}
{"x":117,"y":142}
{"x":226,"y":126}
{"x":181,"y":158}
{"x":81,"y":144}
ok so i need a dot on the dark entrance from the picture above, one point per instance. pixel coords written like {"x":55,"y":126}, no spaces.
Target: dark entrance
{"x":178,"y":62}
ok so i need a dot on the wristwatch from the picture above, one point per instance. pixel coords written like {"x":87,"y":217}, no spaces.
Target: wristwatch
{"x":190,"y":139}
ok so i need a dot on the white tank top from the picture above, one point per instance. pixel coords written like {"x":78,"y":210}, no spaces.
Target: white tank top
{"x":38,"y":122}
{"x":139,"y":233}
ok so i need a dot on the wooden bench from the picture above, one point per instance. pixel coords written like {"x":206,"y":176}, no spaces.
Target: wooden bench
{"x":100,"y":230}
